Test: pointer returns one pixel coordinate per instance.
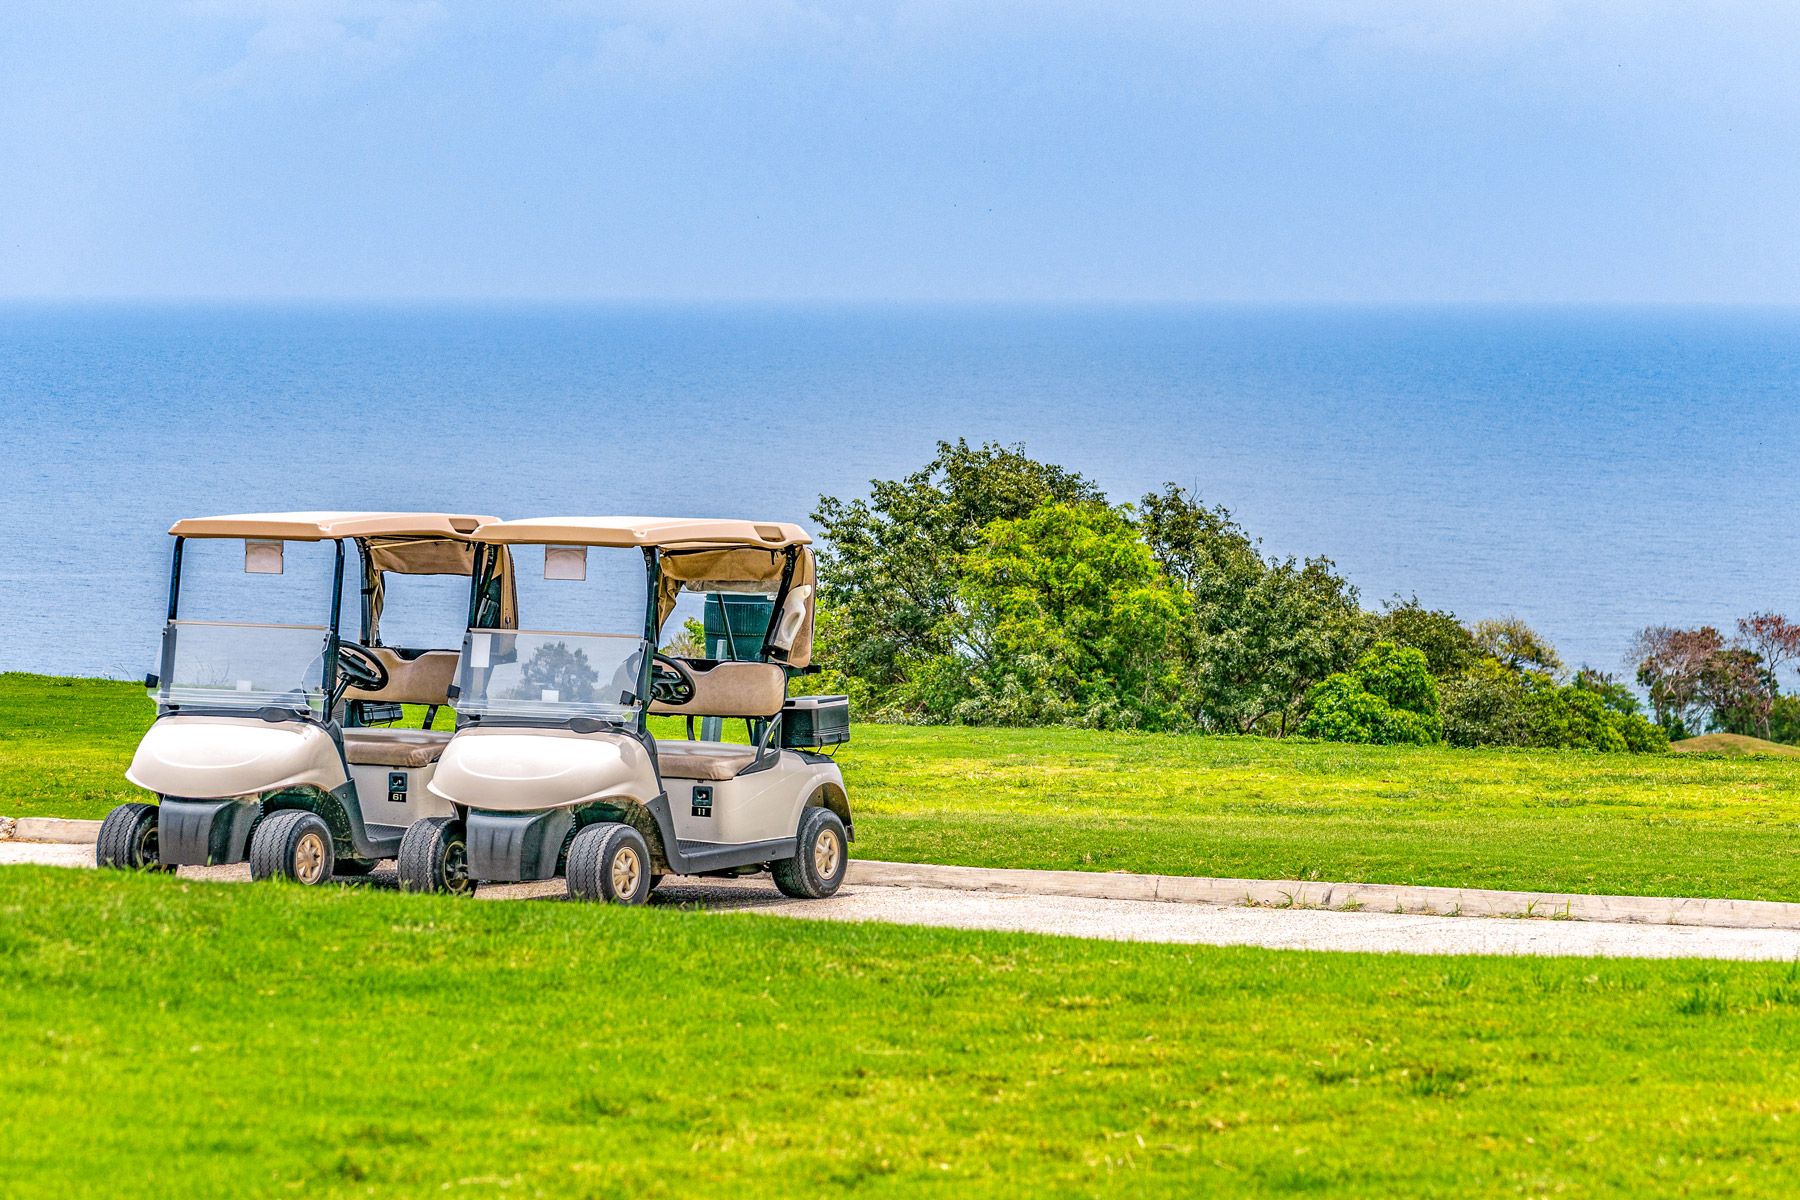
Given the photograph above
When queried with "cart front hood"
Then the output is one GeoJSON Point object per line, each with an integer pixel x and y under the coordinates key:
{"type": "Point", "coordinates": [514, 770]}
{"type": "Point", "coordinates": [214, 758]}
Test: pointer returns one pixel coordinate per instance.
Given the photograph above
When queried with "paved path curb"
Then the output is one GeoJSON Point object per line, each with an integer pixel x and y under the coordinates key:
{"type": "Point", "coordinates": [1261, 893]}
{"type": "Point", "coordinates": [48, 829]}
{"type": "Point", "coordinates": [1370, 897]}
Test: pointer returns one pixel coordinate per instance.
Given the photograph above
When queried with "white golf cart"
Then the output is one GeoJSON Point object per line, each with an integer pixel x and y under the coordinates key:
{"type": "Point", "coordinates": [268, 742]}
{"type": "Point", "coordinates": [553, 769]}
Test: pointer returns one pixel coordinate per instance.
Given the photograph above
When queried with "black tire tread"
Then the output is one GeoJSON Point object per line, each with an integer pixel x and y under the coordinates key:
{"type": "Point", "coordinates": [116, 845]}
{"type": "Point", "coordinates": [796, 876]}
{"type": "Point", "coordinates": [422, 852]}
{"type": "Point", "coordinates": [272, 843]}
{"type": "Point", "coordinates": [589, 875]}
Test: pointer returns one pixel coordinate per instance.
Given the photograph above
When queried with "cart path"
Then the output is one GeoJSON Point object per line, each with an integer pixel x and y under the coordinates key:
{"type": "Point", "coordinates": [1128, 920]}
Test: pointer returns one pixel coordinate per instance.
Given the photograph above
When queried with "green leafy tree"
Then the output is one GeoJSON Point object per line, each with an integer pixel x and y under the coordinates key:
{"type": "Point", "coordinates": [1516, 645]}
{"type": "Point", "coordinates": [1389, 698]}
{"type": "Point", "coordinates": [1260, 633]}
{"type": "Point", "coordinates": [1062, 615]}
{"type": "Point", "coordinates": [1447, 644]}
{"type": "Point", "coordinates": [889, 565]}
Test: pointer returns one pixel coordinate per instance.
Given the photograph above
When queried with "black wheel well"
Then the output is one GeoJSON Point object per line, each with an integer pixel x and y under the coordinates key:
{"type": "Point", "coordinates": [831, 796]}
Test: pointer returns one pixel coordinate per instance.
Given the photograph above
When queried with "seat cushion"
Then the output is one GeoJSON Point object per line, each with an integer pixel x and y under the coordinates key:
{"type": "Point", "coordinates": [394, 747]}
{"type": "Point", "coordinates": [703, 760]}
{"type": "Point", "coordinates": [414, 677]}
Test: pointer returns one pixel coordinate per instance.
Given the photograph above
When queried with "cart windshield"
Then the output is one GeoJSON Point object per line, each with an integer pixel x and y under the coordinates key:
{"type": "Point", "coordinates": [218, 664]}
{"type": "Point", "coordinates": [539, 674]}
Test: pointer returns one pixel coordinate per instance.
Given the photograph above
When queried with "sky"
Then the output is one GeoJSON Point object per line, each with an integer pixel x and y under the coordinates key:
{"type": "Point", "coordinates": [1268, 151]}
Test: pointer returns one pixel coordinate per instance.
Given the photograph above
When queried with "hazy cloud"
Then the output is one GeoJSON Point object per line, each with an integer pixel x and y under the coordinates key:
{"type": "Point", "coordinates": [315, 43]}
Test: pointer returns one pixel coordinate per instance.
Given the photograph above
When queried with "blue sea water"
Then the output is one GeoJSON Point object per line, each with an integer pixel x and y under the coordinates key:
{"type": "Point", "coordinates": [1590, 470]}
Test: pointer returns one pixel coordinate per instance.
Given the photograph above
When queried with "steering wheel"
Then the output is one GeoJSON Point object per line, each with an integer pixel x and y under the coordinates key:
{"type": "Point", "coordinates": [361, 668]}
{"type": "Point", "coordinates": [670, 681]}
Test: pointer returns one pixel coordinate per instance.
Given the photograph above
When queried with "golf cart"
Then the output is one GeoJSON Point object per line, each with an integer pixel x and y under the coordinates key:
{"type": "Point", "coordinates": [268, 743]}
{"type": "Point", "coordinates": [553, 769]}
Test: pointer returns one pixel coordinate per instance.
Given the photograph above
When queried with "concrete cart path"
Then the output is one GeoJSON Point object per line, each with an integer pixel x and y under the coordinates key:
{"type": "Point", "coordinates": [1144, 920]}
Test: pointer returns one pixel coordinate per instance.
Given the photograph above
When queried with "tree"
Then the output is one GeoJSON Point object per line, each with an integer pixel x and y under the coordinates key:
{"type": "Point", "coordinates": [1067, 612]}
{"type": "Point", "coordinates": [888, 566]}
{"type": "Point", "coordinates": [1448, 646]}
{"type": "Point", "coordinates": [1516, 645]}
{"type": "Point", "coordinates": [1734, 686]}
{"type": "Point", "coordinates": [1671, 664]}
{"type": "Point", "coordinates": [1260, 633]}
{"type": "Point", "coordinates": [1774, 639]}
{"type": "Point", "coordinates": [1697, 681]}
{"type": "Point", "coordinates": [1389, 697]}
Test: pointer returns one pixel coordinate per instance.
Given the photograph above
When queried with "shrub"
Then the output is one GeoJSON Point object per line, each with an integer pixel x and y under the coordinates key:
{"type": "Point", "coordinates": [1388, 698]}
{"type": "Point", "coordinates": [1490, 705]}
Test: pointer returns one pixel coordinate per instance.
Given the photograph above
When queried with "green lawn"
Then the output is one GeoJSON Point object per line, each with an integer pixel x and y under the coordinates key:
{"type": "Point", "coordinates": [1665, 824]}
{"type": "Point", "coordinates": [167, 1038]}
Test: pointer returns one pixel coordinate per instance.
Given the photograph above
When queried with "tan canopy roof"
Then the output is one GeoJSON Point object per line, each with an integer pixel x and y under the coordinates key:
{"type": "Point", "coordinates": [741, 569]}
{"type": "Point", "coordinates": [322, 526]}
{"type": "Point", "coordinates": [644, 531]}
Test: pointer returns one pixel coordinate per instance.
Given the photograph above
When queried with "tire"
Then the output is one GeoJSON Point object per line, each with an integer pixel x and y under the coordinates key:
{"type": "Point", "coordinates": [816, 871]}
{"type": "Point", "coordinates": [434, 857]}
{"type": "Point", "coordinates": [127, 840]}
{"type": "Point", "coordinates": [292, 844]}
{"type": "Point", "coordinates": [611, 862]}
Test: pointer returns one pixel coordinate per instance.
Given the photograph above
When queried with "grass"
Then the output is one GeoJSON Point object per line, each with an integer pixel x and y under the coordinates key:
{"type": "Point", "coordinates": [1733, 744]}
{"type": "Point", "coordinates": [167, 1037]}
{"type": "Point", "coordinates": [1685, 825]}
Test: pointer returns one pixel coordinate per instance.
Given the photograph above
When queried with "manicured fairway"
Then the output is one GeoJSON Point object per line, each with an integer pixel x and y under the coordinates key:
{"type": "Point", "coordinates": [176, 1038]}
{"type": "Point", "coordinates": [1560, 821]}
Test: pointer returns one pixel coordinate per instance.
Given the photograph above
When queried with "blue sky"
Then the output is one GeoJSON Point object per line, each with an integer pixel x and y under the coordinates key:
{"type": "Point", "coordinates": [1274, 150]}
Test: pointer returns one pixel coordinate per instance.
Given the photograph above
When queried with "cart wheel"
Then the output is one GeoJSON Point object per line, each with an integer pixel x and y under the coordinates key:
{"type": "Point", "coordinates": [609, 861]}
{"type": "Point", "coordinates": [292, 844]}
{"type": "Point", "coordinates": [434, 857]}
{"type": "Point", "coordinates": [818, 869]}
{"type": "Point", "coordinates": [127, 840]}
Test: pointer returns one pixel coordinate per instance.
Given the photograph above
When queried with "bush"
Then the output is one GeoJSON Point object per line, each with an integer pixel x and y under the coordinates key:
{"type": "Point", "coordinates": [1493, 705]}
{"type": "Point", "coordinates": [1387, 698]}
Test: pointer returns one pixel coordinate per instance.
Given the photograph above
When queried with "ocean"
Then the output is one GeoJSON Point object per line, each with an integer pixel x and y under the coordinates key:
{"type": "Point", "coordinates": [1590, 470]}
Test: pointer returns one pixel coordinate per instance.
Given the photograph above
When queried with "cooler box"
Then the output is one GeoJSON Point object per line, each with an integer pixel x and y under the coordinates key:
{"type": "Point", "coordinates": [808, 722]}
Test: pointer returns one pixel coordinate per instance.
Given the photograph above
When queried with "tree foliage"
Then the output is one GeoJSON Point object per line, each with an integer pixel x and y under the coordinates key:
{"type": "Point", "coordinates": [889, 566]}
{"type": "Point", "coordinates": [1388, 697]}
{"type": "Point", "coordinates": [1447, 644]}
{"type": "Point", "coordinates": [1261, 632]}
{"type": "Point", "coordinates": [1063, 615]}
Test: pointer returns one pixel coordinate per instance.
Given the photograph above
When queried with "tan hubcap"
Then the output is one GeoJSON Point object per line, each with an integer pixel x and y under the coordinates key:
{"type": "Point", "coordinates": [626, 870]}
{"type": "Point", "coordinates": [825, 853]}
{"type": "Point", "coordinates": [309, 858]}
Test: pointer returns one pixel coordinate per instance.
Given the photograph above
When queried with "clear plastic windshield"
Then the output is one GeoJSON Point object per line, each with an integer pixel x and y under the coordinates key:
{"type": "Point", "coordinates": [529, 673]}
{"type": "Point", "coordinates": [214, 664]}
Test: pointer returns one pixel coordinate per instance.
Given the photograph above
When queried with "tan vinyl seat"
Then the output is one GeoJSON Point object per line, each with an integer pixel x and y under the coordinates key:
{"type": "Point", "coordinates": [703, 760]}
{"type": "Point", "coordinates": [394, 747]}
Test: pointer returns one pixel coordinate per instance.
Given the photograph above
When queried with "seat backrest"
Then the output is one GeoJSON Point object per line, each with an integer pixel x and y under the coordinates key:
{"type": "Point", "coordinates": [422, 678]}
{"type": "Point", "coordinates": [731, 689]}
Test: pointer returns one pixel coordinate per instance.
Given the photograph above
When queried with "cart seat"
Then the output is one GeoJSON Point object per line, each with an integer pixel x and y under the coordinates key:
{"type": "Point", "coordinates": [703, 760]}
{"type": "Point", "coordinates": [394, 747]}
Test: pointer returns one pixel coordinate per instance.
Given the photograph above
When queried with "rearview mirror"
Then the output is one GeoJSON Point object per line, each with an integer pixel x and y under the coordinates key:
{"type": "Point", "coordinates": [262, 558]}
{"type": "Point", "coordinates": [565, 562]}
